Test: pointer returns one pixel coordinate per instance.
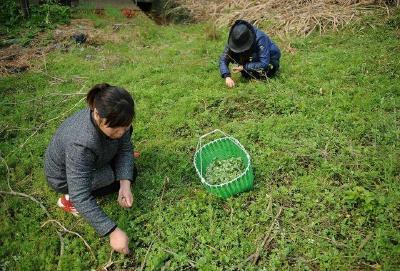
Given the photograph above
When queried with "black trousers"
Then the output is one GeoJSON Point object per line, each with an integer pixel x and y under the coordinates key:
{"type": "Point", "coordinates": [112, 188]}
{"type": "Point", "coordinates": [105, 190]}
{"type": "Point", "coordinates": [264, 74]}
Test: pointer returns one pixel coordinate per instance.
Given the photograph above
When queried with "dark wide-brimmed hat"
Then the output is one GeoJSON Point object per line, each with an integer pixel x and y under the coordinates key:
{"type": "Point", "coordinates": [241, 36]}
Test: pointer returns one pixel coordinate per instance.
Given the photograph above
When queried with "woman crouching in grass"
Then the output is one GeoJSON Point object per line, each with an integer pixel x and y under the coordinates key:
{"type": "Point", "coordinates": [91, 155]}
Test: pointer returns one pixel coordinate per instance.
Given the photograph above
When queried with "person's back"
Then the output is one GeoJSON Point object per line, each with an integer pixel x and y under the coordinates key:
{"type": "Point", "coordinates": [66, 135]}
{"type": "Point", "coordinates": [91, 155]}
{"type": "Point", "coordinates": [78, 130]}
{"type": "Point", "coordinates": [254, 53]}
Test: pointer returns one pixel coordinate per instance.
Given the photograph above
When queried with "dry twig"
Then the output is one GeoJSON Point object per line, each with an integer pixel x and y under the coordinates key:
{"type": "Point", "coordinates": [145, 257]}
{"type": "Point", "coordinates": [266, 240]}
{"type": "Point", "coordinates": [110, 261]}
{"type": "Point", "coordinates": [37, 129]}
{"type": "Point", "coordinates": [14, 193]}
{"type": "Point", "coordinates": [72, 232]}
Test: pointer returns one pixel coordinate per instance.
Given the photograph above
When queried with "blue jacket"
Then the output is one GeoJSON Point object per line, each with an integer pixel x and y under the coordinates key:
{"type": "Point", "coordinates": [263, 52]}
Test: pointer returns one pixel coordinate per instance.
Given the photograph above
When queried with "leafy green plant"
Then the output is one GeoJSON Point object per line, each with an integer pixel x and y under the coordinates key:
{"type": "Point", "coordinates": [361, 197]}
{"type": "Point", "coordinates": [21, 30]}
{"type": "Point", "coordinates": [222, 171]}
{"type": "Point", "coordinates": [49, 14]}
{"type": "Point", "coordinates": [10, 13]}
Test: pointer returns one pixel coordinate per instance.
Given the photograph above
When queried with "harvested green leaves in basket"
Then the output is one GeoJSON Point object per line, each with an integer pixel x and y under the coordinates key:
{"type": "Point", "coordinates": [222, 171]}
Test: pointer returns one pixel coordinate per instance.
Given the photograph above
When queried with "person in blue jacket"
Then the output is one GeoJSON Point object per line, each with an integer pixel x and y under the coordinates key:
{"type": "Point", "coordinates": [252, 52]}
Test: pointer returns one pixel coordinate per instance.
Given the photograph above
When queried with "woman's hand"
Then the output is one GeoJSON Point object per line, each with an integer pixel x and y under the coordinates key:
{"type": "Point", "coordinates": [119, 241]}
{"type": "Point", "coordinates": [125, 197]}
{"type": "Point", "coordinates": [229, 82]}
{"type": "Point", "coordinates": [237, 69]}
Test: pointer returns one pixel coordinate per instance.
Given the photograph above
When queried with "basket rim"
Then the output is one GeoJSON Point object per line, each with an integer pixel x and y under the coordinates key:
{"type": "Point", "coordinates": [235, 141]}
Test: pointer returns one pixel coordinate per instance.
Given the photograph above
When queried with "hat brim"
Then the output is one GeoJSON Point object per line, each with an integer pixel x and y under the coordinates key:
{"type": "Point", "coordinates": [236, 48]}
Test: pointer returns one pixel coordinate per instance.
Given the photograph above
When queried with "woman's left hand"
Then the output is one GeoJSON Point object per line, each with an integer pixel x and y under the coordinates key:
{"type": "Point", "coordinates": [125, 197]}
{"type": "Point", "coordinates": [237, 69]}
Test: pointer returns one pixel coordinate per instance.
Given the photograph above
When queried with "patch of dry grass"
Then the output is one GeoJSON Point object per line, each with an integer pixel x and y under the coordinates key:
{"type": "Point", "coordinates": [288, 16]}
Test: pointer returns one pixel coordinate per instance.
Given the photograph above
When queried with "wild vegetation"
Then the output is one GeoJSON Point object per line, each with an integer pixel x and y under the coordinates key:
{"type": "Point", "coordinates": [323, 137]}
{"type": "Point", "coordinates": [301, 17]}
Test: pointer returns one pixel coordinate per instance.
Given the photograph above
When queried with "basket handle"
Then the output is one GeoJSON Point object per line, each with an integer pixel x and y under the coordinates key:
{"type": "Point", "coordinates": [199, 144]}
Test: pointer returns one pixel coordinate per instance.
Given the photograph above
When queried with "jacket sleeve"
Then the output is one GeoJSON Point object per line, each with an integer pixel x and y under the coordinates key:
{"type": "Point", "coordinates": [123, 161]}
{"type": "Point", "coordinates": [264, 56]}
{"type": "Point", "coordinates": [79, 170]}
{"type": "Point", "coordinates": [224, 64]}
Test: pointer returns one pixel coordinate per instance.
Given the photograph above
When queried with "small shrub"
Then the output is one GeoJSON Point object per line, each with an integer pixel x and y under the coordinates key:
{"type": "Point", "coordinates": [20, 29]}
{"type": "Point", "coordinates": [394, 20]}
{"type": "Point", "coordinates": [52, 13]}
{"type": "Point", "coordinates": [10, 13]}
{"type": "Point", "coordinates": [361, 197]}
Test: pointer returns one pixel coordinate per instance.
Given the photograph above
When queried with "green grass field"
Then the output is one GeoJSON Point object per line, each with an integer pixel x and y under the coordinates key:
{"type": "Point", "coordinates": [323, 137]}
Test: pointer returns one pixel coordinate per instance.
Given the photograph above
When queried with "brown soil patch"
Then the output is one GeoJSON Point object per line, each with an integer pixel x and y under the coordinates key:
{"type": "Point", "coordinates": [16, 58]}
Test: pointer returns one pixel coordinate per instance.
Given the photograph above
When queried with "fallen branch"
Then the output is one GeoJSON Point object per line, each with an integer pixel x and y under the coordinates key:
{"type": "Point", "coordinates": [13, 193]}
{"type": "Point", "coordinates": [145, 257]}
{"type": "Point", "coordinates": [79, 93]}
{"type": "Point", "coordinates": [44, 124]}
{"type": "Point", "coordinates": [72, 232]}
{"type": "Point", "coordinates": [110, 262]}
{"type": "Point", "coordinates": [19, 194]}
{"type": "Point", "coordinates": [266, 240]}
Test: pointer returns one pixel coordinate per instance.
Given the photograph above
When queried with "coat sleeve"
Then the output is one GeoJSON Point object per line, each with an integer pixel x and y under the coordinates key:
{"type": "Point", "coordinates": [224, 64]}
{"type": "Point", "coordinates": [264, 56]}
{"type": "Point", "coordinates": [123, 161]}
{"type": "Point", "coordinates": [79, 170]}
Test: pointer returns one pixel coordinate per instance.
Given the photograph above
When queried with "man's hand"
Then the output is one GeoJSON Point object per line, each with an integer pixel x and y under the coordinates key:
{"type": "Point", "coordinates": [119, 241]}
{"type": "Point", "coordinates": [125, 197]}
{"type": "Point", "coordinates": [229, 82]}
{"type": "Point", "coordinates": [237, 69]}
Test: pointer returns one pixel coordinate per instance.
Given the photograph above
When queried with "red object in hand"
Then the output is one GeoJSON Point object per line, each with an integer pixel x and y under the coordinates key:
{"type": "Point", "coordinates": [136, 154]}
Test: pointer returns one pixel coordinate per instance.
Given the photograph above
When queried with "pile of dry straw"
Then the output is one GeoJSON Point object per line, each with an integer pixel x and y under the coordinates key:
{"type": "Point", "coordinates": [287, 16]}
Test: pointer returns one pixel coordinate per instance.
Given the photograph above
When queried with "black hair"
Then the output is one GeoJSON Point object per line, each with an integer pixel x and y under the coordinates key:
{"type": "Point", "coordinates": [113, 103]}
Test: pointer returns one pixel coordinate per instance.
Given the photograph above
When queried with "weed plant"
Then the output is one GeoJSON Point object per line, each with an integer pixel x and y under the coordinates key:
{"type": "Point", "coordinates": [14, 28]}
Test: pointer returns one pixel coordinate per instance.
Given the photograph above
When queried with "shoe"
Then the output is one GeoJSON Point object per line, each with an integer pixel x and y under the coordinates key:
{"type": "Point", "coordinates": [64, 203]}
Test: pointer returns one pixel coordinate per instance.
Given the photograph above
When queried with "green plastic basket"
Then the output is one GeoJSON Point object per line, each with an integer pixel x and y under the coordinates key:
{"type": "Point", "coordinates": [220, 149]}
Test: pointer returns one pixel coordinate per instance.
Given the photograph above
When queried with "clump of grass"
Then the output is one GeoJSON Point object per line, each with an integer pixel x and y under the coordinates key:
{"type": "Point", "coordinates": [211, 32]}
{"type": "Point", "coordinates": [222, 171]}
